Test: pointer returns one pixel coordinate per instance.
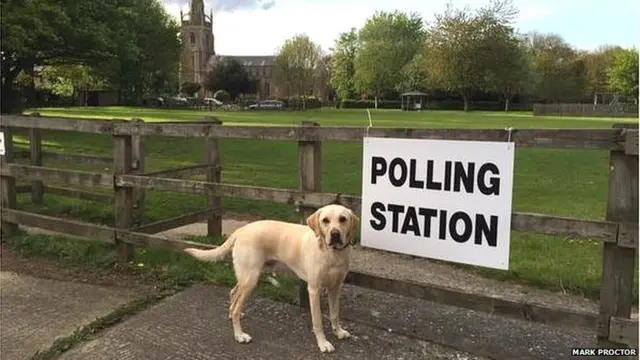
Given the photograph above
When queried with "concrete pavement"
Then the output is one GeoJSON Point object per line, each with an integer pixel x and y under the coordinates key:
{"type": "Point", "coordinates": [34, 312]}
{"type": "Point", "coordinates": [194, 325]}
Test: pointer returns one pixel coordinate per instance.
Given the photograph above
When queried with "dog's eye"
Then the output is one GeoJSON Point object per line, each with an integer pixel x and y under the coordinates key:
{"type": "Point", "coordinates": [342, 219]}
{"type": "Point", "coordinates": [325, 220]}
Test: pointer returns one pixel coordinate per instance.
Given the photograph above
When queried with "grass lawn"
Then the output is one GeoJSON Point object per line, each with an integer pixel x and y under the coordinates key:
{"type": "Point", "coordinates": [557, 182]}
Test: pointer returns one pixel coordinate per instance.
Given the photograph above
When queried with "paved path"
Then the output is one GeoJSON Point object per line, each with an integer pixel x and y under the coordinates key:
{"type": "Point", "coordinates": [36, 311]}
{"type": "Point", "coordinates": [193, 325]}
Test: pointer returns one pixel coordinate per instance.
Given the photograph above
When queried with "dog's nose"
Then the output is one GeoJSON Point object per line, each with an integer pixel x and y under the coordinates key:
{"type": "Point", "coordinates": [335, 236]}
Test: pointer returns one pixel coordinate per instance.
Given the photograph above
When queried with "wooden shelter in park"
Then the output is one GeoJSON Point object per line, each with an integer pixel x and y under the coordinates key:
{"type": "Point", "coordinates": [413, 100]}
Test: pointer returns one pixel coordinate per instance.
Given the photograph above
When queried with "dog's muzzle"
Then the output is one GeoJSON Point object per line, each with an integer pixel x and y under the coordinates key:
{"type": "Point", "coordinates": [334, 237]}
{"type": "Point", "coordinates": [335, 240]}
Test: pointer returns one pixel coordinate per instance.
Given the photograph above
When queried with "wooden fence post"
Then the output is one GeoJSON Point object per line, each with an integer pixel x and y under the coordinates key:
{"type": "Point", "coordinates": [137, 167]}
{"type": "Point", "coordinates": [618, 262]}
{"type": "Point", "coordinates": [309, 179]}
{"type": "Point", "coordinates": [7, 184]}
{"type": "Point", "coordinates": [122, 159]}
{"type": "Point", "coordinates": [35, 153]}
{"type": "Point", "coordinates": [212, 157]}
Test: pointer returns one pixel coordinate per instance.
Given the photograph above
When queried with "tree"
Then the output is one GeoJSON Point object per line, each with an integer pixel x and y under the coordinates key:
{"type": "Point", "coordinates": [561, 72]}
{"type": "Point", "coordinates": [623, 73]}
{"type": "Point", "coordinates": [343, 65]}
{"type": "Point", "coordinates": [387, 43]}
{"type": "Point", "coordinates": [67, 80]}
{"type": "Point", "coordinates": [323, 76]}
{"type": "Point", "coordinates": [147, 50]}
{"type": "Point", "coordinates": [454, 58]}
{"type": "Point", "coordinates": [41, 32]}
{"type": "Point", "coordinates": [132, 44]}
{"type": "Point", "coordinates": [512, 71]}
{"type": "Point", "coordinates": [228, 74]}
{"type": "Point", "coordinates": [413, 74]}
{"type": "Point", "coordinates": [295, 66]}
{"type": "Point", "coordinates": [597, 63]}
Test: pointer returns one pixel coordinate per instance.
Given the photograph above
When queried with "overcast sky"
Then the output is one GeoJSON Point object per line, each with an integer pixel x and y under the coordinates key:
{"type": "Point", "coordinates": [258, 27]}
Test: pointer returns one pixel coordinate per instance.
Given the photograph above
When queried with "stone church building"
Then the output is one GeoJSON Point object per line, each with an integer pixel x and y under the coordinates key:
{"type": "Point", "coordinates": [196, 33]}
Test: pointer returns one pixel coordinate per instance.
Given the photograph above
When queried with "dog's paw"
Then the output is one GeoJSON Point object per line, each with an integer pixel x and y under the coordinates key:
{"type": "Point", "coordinates": [341, 333]}
{"type": "Point", "coordinates": [243, 338]}
{"type": "Point", "coordinates": [326, 346]}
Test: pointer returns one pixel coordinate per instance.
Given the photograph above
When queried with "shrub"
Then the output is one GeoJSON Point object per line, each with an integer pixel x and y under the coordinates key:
{"type": "Point", "coordinates": [222, 95]}
{"type": "Point", "coordinates": [297, 103]}
{"type": "Point", "coordinates": [370, 104]}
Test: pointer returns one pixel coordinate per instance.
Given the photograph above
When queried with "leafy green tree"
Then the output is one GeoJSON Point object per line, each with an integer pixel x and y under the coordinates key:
{"type": "Point", "coordinates": [623, 73]}
{"type": "Point", "coordinates": [41, 32]}
{"type": "Point", "coordinates": [414, 74]}
{"type": "Point", "coordinates": [513, 70]}
{"type": "Point", "coordinates": [560, 70]}
{"type": "Point", "coordinates": [468, 52]}
{"type": "Point", "coordinates": [146, 50]}
{"type": "Point", "coordinates": [343, 65]}
{"type": "Point", "coordinates": [133, 44]}
{"type": "Point", "coordinates": [228, 74]}
{"type": "Point", "coordinates": [295, 66]}
{"type": "Point", "coordinates": [387, 43]}
{"type": "Point", "coordinates": [597, 64]}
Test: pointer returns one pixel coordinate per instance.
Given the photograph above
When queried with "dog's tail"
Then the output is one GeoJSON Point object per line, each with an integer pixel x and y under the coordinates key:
{"type": "Point", "coordinates": [213, 254]}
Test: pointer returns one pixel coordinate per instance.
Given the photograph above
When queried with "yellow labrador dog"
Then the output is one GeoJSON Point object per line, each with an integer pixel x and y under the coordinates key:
{"type": "Point", "coordinates": [318, 253]}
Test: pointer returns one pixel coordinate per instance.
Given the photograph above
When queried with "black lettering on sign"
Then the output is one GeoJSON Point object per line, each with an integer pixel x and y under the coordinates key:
{"type": "Point", "coordinates": [427, 214]}
{"type": "Point", "coordinates": [376, 209]}
{"type": "Point", "coordinates": [413, 182]}
{"type": "Point", "coordinates": [447, 175]}
{"type": "Point", "coordinates": [494, 182]}
{"type": "Point", "coordinates": [395, 210]}
{"type": "Point", "coordinates": [442, 235]}
{"type": "Point", "coordinates": [460, 175]}
{"type": "Point", "coordinates": [378, 168]}
{"type": "Point", "coordinates": [431, 184]}
{"type": "Point", "coordinates": [410, 222]}
{"type": "Point", "coordinates": [490, 232]}
{"type": "Point", "coordinates": [393, 178]}
{"type": "Point", "coordinates": [453, 227]}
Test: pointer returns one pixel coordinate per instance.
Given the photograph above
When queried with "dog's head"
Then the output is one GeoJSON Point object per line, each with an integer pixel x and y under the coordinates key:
{"type": "Point", "coordinates": [334, 225]}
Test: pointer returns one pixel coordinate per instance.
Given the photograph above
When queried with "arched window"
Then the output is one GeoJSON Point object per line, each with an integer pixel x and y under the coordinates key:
{"type": "Point", "coordinates": [193, 38]}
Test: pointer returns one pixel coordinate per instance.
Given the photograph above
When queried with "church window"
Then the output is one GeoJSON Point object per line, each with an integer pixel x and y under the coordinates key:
{"type": "Point", "coordinates": [193, 38]}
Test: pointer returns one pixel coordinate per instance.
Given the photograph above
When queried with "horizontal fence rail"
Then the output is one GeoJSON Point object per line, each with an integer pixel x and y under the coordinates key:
{"type": "Point", "coordinates": [596, 139]}
{"type": "Point", "coordinates": [527, 222]}
{"type": "Point", "coordinates": [83, 159]}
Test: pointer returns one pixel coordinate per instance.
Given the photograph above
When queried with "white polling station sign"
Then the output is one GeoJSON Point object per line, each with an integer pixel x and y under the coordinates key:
{"type": "Point", "coordinates": [3, 151]}
{"type": "Point", "coordinates": [440, 199]}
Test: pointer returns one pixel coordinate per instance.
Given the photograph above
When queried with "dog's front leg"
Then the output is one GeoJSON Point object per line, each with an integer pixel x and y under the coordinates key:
{"type": "Point", "coordinates": [316, 319]}
{"type": "Point", "coordinates": [334, 313]}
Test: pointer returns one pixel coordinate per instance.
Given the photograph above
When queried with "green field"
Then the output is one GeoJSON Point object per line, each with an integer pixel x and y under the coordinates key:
{"type": "Point", "coordinates": [550, 181]}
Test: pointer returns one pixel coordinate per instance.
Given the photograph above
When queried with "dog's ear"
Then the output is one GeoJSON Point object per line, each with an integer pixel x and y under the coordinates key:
{"type": "Point", "coordinates": [313, 222]}
{"type": "Point", "coordinates": [355, 224]}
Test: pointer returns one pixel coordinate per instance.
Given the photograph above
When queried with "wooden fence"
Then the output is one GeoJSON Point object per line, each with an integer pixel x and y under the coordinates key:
{"type": "Point", "coordinates": [619, 232]}
{"type": "Point", "coordinates": [586, 110]}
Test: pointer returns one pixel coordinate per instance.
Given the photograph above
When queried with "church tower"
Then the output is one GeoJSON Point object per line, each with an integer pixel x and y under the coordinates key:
{"type": "Point", "coordinates": [196, 33]}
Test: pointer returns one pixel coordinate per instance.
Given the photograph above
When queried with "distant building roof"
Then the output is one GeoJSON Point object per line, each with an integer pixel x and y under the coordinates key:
{"type": "Point", "coordinates": [259, 60]}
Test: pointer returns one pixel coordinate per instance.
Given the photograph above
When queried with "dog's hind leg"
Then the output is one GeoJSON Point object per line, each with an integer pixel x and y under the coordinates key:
{"type": "Point", "coordinates": [246, 283]}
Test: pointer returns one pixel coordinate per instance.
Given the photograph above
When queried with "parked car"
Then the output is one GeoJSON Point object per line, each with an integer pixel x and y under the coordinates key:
{"type": "Point", "coordinates": [267, 105]}
{"type": "Point", "coordinates": [212, 101]}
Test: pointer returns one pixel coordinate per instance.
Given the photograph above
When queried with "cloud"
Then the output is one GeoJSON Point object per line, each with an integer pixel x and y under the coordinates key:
{"type": "Point", "coordinates": [226, 5]}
